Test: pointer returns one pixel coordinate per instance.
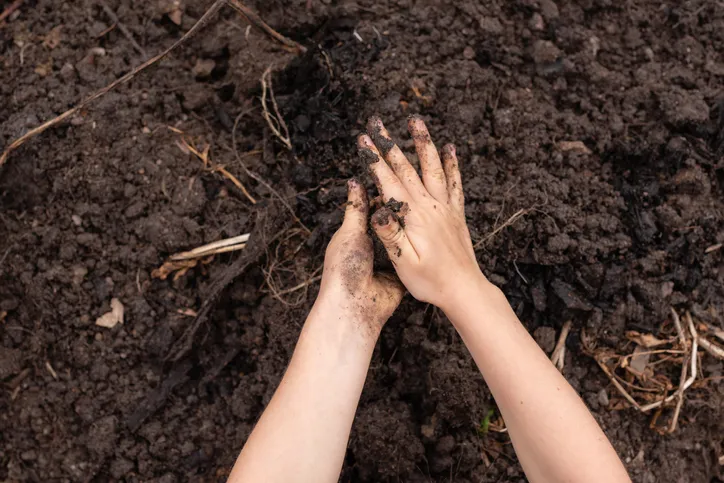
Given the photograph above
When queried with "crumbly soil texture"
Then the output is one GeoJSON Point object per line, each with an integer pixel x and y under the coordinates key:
{"type": "Point", "coordinates": [601, 120]}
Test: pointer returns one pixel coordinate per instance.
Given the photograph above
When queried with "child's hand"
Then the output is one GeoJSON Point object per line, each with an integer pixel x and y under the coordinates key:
{"type": "Point", "coordinates": [426, 238]}
{"type": "Point", "coordinates": [348, 282]}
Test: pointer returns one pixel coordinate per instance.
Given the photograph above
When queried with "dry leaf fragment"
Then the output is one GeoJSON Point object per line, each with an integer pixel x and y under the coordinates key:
{"type": "Point", "coordinates": [576, 146]}
{"type": "Point", "coordinates": [112, 318]}
{"type": "Point", "coordinates": [170, 266]}
{"type": "Point", "coordinates": [640, 361]}
{"type": "Point", "coordinates": [646, 340]}
{"type": "Point", "coordinates": [52, 38]}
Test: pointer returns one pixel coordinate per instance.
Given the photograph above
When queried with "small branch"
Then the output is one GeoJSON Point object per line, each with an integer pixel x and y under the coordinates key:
{"type": "Point", "coordinates": [559, 353]}
{"type": "Point", "coordinates": [124, 30]}
{"type": "Point", "coordinates": [257, 22]}
{"type": "Point", "coordinates": [518, 214]}
{"type": "Point", "coordinates": [711, 348]}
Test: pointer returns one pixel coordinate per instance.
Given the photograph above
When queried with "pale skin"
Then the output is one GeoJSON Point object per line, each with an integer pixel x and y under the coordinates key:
{"type": "Point", "coordinates": [302, 434]}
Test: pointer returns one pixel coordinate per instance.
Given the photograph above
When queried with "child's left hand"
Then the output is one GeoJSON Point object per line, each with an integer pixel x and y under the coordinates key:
{"type": "Point", "coordinates": [348, 282]}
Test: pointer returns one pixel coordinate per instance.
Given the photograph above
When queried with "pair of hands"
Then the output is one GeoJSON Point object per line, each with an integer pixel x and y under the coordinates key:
{"type": "Point", "coordinates": [422, 227]}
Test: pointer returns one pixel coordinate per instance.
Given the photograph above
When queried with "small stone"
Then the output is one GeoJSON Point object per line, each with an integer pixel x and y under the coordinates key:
{"type": "Point", "coordinates": [469, 53]}
{"type": "Point", "coordinates": [549, 9]}
{"type": "Point", "coordinates": [545, 52]}
{"type": "Point", "coordinates": [546, 338]}
{"type": "Point", "coordinates": [603, 398]}
{"type": "Point", "coordinates": [536, 22]}
{"type": "Point", "coordinates": [203, 68]}
{"type": "Point", "coordinates": [491, 26]}
{"type": "Point", "coordinates": [67, 72]}
{"type": "Point", "coordinates": [649, 53]}
{"type": "Point", "coordinates": [77, 220]}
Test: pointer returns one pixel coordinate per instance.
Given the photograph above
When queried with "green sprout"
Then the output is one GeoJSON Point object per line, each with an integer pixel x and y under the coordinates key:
{"type": "Point", "coordinates": [485, 423]}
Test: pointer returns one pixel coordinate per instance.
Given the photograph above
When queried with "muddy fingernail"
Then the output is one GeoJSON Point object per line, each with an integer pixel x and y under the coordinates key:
{"type": "Point", "coordinates": [449, 149]}
{"type": "Point", "coordinates": [382, 217]}
{"type": "Point", "coordinates": [374, 122]}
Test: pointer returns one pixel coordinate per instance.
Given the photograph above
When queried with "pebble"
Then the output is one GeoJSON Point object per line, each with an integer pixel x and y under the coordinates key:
{"type": "Point", "coordinates": [603, 397]}
{"type": "Point", "coordinates": [536, 22]}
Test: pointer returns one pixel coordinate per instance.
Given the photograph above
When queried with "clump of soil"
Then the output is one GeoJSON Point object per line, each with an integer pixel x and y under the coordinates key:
{"type": "Point", "coordinates": [602, 122]}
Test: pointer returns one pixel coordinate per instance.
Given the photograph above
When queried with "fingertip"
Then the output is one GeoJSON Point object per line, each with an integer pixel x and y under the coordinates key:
{"type": "Point", "coordinates": [356, 192]}
{"type": "Point", "coordinates": [374, 123]}
{"type": "Point", "coordinates": [416, 125]}
{"type": "Point", "coordinates": [382, 218]}
{"type": "Point", "coordinates": [364, 141]}
{"type": "Point", "coordinates": [449, 151]}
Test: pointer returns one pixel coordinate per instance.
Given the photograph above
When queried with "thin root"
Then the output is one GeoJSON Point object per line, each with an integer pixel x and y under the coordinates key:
{"type": "Point", "coordinates": [275, 121]}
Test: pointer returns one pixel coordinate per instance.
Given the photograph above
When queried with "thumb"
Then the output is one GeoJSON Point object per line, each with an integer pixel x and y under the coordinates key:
{"type": "Point", "coordinates": [387, 227]}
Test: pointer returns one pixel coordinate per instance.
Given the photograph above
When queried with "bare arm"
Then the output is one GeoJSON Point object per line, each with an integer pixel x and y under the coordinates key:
{"type": "Point", "coordinates": [302, 434]}
{"type": "Point", "coordinates": [554, 434]}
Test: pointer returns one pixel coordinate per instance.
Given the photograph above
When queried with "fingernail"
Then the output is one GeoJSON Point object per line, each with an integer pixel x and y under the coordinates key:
{"type": "Point", "coordinates": [381, 217]}
{"type": "Point", "coordinates": [449, 149]}
{"type": "Point", "coordinates": [352, 183]}
{"type": "Point", "coordinates": [374, 122]}
{"type": "Point", "coordinates": [365, 141]}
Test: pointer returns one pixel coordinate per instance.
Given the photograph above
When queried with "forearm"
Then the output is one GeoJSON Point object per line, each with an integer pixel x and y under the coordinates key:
{"type": "Point", "coordinates": [302, 435]}
{"type": "Point", "coordinates": [554, 434]}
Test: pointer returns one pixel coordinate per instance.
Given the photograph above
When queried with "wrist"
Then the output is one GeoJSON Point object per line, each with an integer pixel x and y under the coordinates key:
{"type": "Point", "coordinates": [340, 315]}
{"type": "Point", "coordinates": [475, 294]}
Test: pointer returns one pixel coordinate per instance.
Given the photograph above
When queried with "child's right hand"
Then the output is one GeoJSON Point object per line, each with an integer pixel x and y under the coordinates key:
{"type": "Point", "coordinates": [426, 237]}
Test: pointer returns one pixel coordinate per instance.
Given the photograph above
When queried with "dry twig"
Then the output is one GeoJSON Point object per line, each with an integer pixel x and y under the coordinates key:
{"type": "Point", "coordinates": [518, 214]}
{"type": "Point", "coordinates": [257, 22]}
{"type": "Point", "coordinates": [221, 246]}
{"type": "Point", "coordinates": [124, 30]}
{"type": "Point", "coordinates": [687, 374]}
{"type": "Point", "coordinates": [275, 121]}
{"type": "Point", "coordinates": [711, 348]}
{"type": "Point", "coordinates": [559, 353]}
{"type": "Point", "coordinates": [204, 157]}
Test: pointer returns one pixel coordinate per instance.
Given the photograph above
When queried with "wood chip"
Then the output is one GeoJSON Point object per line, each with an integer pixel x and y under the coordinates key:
{"type": "Point", "coordinates": [112, 318]}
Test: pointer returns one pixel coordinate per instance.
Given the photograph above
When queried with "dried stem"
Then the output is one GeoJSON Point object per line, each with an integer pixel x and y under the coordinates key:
{"type": "Point", "coordinates": [257, 22]}
{"type": "Point", "coordinates": [559, 353]}
{"type": "Point", "coordinates": [275, 121]}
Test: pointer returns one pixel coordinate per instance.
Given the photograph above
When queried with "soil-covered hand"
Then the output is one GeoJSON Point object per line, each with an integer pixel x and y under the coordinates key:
{"type": "Point", "coordinates": [349, 283]}
{"type": "Point", "coordinates": [422, 224]}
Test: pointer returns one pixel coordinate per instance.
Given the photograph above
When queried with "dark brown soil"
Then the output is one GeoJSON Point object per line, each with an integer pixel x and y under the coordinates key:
{"type": "Point", "coordinates": [612, 236]}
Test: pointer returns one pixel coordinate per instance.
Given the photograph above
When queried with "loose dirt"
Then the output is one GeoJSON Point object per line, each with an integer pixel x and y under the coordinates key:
{"type": "Point", "coordinates": [602, 121]}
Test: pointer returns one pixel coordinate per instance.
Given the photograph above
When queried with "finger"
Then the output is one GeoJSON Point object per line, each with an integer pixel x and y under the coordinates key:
{"type": "Point", "coordinates": [393, 236]}
{"type": "Point", "coordinates": [454, 180]}
{"type": "Point", "coordinates": [388, 184]}
{"type": "Point", "coordinates": [395, 158]}
{"type": "Point", "coordinates": [433, 175]}
{"type": "Point", "coordinates": [357, 210]}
